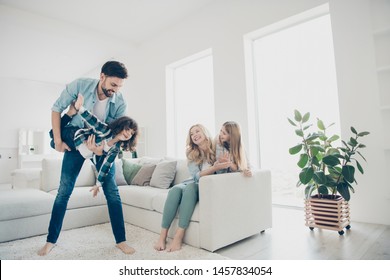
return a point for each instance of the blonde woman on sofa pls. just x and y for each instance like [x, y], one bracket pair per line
[229, 148]
[184, 196]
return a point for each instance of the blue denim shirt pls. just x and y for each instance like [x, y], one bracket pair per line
[116, 105]
[195, 170]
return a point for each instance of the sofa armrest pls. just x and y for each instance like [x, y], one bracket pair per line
[233, 207]
[26, 178]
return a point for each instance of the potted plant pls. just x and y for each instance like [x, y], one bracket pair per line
[327, 172]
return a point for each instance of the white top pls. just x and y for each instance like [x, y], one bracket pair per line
[99, 109]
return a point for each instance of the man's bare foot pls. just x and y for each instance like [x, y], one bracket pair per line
[46, 249]
[125, 248]
[177, 240]
[160, 245]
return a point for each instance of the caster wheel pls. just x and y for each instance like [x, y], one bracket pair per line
[348, 227]
[341, 232]
[311, 228]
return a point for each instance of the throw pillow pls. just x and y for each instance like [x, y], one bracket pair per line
[164, 174]
[143, 176]
[119, 177]
[130, 169]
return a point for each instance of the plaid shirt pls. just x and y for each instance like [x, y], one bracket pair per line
[101, 131]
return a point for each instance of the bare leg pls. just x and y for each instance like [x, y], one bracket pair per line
[46, 249]
[125, 248]
[160, 245]
[177, 240]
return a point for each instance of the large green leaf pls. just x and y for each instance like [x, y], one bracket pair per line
[343, 190]
[364, 133]
[306, 117]
[334, 138]
[297, 116]
[359, 167]
[323, 190]
[299, 132]
[353, 130]
[306, 175]
[303, 159]
[352, 142]
[319, 177]
[296, 149]
[291, 122]
[320, 124]
[348, 172]
[331, 160]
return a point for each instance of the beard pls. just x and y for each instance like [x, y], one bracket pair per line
[107, 93]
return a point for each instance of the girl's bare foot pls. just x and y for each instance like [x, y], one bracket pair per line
[125, 248]
[160, 245]
[46, 249]
[177, 240]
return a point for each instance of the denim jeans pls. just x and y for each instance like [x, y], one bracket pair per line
[182, 197]
[71, 166]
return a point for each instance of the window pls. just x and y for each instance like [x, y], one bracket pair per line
[190, 99]
[292, 66]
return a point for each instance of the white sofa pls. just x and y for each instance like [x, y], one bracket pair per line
[231, 207]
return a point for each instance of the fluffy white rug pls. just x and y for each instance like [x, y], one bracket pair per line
[97, 243]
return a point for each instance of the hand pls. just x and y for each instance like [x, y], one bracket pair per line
[91, 145]
[247, 172]
[221, 165]
[79, 102]
[225, 157]
[94, 190]
[61, 146]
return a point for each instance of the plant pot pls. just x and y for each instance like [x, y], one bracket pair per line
[327, 212]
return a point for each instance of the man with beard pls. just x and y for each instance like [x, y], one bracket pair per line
[101, 97]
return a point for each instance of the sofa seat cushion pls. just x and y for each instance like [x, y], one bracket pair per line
[15, 204]
[159, 202]
[82, 197]
[140, 196]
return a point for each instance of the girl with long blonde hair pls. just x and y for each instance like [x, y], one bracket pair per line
[229, 148]
[184, 196]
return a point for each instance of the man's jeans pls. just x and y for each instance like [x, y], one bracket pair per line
[71, 166]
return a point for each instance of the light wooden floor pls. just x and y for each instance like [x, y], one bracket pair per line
[290, 239]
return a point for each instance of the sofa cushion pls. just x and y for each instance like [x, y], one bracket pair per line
[51, 173]
[130, 169]
[82, 197]
[138, 196]
[164, 174]
[15, 204]
[119, 177]
[182, 172]
[144, 175]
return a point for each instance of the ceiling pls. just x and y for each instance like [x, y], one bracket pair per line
[130, 20]
[56, 41]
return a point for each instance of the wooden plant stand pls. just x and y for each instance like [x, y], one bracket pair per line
[332, 214]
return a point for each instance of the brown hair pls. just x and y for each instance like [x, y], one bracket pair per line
[235, 145]
[118, 125]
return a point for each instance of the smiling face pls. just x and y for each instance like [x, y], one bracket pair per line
[127, 133]
[110, 85]
[197, 135]
[224, 135]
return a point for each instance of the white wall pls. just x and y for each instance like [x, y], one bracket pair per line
[221, 27]
[27, 95]
[359, 104]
